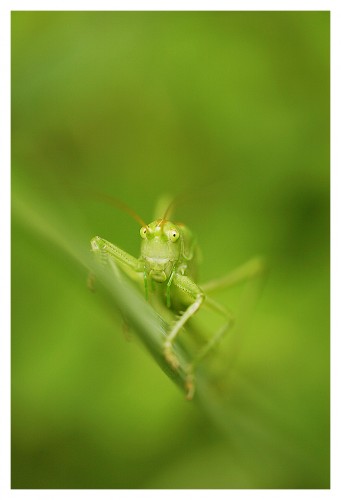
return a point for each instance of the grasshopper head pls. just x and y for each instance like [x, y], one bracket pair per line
[160, 249]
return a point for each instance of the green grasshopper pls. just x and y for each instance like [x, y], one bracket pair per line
[167, 266]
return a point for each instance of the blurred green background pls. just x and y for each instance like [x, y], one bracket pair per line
[231, 109]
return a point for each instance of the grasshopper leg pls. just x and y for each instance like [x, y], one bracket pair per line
[191, 289]
[206, 349]
[195, 293]
[107, 252]
[251, 269]
[198, 296]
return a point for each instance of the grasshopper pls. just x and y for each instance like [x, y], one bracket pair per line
[167, 265]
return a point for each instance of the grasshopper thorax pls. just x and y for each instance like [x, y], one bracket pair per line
[160, 249]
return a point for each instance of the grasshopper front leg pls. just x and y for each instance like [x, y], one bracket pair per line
[190, 288]
[194, 291]
[107, 252]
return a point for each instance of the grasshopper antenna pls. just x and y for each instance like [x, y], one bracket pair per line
[121, 206]
[168, 211]
[110, 200]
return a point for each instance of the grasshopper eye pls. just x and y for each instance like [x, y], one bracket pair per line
[173, 235]
[143, 232]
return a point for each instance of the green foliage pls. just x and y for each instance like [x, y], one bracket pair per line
[230, 109]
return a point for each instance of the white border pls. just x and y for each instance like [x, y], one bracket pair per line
[257, 5]
[335, 250]
[5, 251]
[5, 8]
